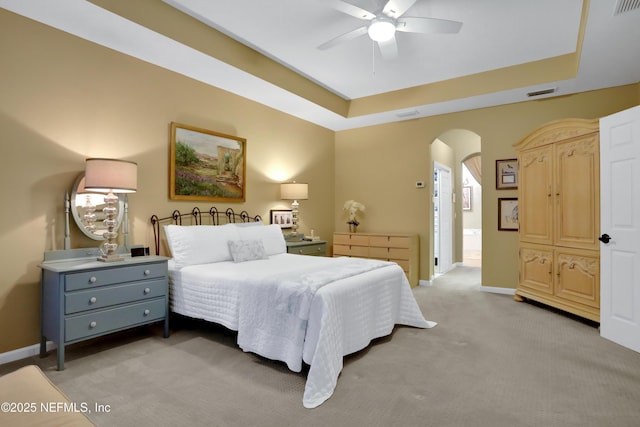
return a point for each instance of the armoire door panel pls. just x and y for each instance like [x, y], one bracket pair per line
[536, 207]
[578, 277]
[577, 193]
[536, 268]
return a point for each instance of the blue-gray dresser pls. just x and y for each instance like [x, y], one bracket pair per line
[83, 298]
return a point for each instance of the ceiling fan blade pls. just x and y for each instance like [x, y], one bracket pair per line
[427, 25]
[395, 8]
[389, 49]
[344, 38]
[349, 9]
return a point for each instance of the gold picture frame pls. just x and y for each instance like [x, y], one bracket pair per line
[507, 174]
[206, 165]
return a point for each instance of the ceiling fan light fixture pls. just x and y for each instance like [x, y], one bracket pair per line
[381, 30]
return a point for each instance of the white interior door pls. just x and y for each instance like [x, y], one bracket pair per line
[445, 217]
[620, 227]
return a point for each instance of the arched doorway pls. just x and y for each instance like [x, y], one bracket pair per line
[450, 149]
[472, 210]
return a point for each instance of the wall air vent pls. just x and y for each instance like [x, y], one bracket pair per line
[542, 92]
[624, 6]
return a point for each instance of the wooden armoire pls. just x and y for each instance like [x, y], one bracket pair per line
[559, 216]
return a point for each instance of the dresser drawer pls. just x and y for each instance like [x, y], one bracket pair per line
[319, 249]
[356, 251]
[390, 241]
[101, 321]
[101, 297]
[110, 276]
[389, 253]
[351, 239]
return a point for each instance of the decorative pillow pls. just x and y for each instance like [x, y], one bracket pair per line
[200, 244]
[270, 235]
[246, 250]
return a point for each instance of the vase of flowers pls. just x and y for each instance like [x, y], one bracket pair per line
[351, 207]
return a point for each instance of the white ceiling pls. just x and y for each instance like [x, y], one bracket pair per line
[495, 34]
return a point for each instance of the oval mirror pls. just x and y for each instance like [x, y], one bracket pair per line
[86, 207]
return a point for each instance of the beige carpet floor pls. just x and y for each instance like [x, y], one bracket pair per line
[490, 362]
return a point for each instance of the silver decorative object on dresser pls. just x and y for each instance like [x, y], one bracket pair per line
[76, 205]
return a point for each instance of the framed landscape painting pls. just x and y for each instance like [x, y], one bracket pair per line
[206, 165]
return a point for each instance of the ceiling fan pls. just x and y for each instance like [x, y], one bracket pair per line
[384, 23]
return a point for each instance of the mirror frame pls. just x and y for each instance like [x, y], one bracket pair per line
[78, 187]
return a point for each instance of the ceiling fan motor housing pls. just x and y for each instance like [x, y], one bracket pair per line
[381, 29]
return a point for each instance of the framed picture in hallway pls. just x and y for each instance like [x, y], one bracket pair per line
[507, 174]
[466, 198]
[508, 214]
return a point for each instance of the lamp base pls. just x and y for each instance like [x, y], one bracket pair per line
[110, 258]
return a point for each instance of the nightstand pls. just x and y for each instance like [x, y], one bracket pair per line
[83, 298]
[307, 247]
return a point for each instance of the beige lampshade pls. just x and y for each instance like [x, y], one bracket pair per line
[294, 191]
[119, 176]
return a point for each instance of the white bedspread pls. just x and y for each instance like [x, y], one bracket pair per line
[339, 311]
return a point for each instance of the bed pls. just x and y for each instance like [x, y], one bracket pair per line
[298, 309]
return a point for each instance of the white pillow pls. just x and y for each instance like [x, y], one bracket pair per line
[199, 244]
[246, 250]
[248, 224]
[271, 236]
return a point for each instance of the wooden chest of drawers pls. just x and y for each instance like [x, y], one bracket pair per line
[400, 248]
[83, 298]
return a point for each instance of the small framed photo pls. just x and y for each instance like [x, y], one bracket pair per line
[466, 198]
[507, 174]
[508, 214]
[282, 217]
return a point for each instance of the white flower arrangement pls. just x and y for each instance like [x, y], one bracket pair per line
[352, 207]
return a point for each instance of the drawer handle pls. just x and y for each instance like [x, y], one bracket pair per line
[147, 290]
[147, 312]
[300, 251]
[147, 272]
[93, 300]
[93, 324]
[93, 279]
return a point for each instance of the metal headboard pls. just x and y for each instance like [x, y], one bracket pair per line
[214, 217]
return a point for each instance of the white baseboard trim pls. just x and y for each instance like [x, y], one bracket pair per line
[497, 290]
[24, 352]
[425, 282]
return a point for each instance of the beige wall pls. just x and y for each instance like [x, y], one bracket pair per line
[379, 165]
[64, 99]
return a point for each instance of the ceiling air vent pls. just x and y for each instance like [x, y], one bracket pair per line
[542, 92]
[406, 114]
[624, 6]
